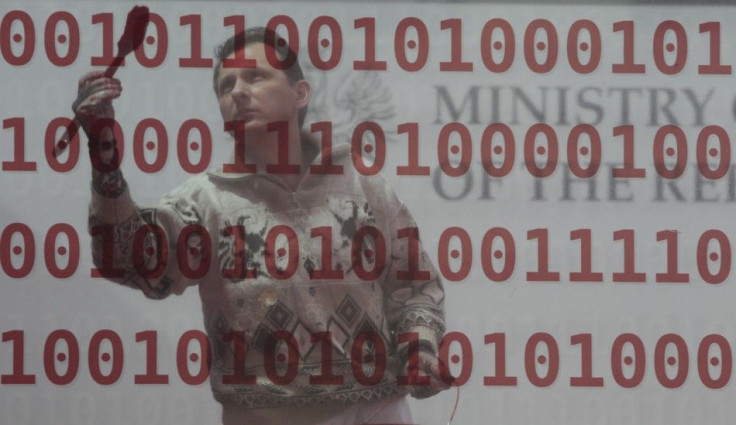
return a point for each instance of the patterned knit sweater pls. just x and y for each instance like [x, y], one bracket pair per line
[304, 293]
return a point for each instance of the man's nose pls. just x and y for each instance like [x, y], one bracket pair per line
[241, 89]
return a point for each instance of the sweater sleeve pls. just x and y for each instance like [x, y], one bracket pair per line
[414, 293]
[158, 250]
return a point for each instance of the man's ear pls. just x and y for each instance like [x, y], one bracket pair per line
[303, 93]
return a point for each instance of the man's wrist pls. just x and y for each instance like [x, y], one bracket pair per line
[407, 350]
[104, 155]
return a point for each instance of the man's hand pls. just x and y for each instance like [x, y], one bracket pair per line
[427, 368]
[94, 101]
[93, 109]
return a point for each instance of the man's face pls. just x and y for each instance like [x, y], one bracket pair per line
[257, 96]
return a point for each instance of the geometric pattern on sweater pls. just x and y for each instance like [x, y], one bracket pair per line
[348, 310]
[260, 303]
[253, 400]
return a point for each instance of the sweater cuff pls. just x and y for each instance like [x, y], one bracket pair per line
[113, 210]
[428, 335]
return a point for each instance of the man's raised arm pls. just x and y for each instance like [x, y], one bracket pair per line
[114, 219]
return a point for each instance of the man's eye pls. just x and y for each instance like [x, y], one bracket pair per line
[225, 88]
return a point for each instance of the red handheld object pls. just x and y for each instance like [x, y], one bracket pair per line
[133, 35]
[132, 38]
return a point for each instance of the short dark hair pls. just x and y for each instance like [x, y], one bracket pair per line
[289, 66]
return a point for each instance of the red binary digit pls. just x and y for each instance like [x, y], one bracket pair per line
[723, 152]
[237, 130]
[334, 42]
[548, 150]
[108, 270]
[71, 359]
[184, 145]
[714, 65]
[592, 154]
[27, 37]
[238, 377]
[628, 170]
[586, 362]
[71, 251]
[680, 48]
[292, 35]
[679, 152]
[19, 162]
[142, 254]
[358, 147]
[203, 358]
[464, 149]
[291, 361]
[637, 362]
[195, 59]
[194, 242]
[141, 143]
[413, 378]
[488, 254]
[326, 377]
[50, 145]
[531, 359]
[369, 63]
[724, 362]
[629, 274]
[488, 152]
[72, 40]
[672, 275]
[499, 378]
[94, 357]
[283, 164]
[465, 254]
[549, 46]
[237, 270]
[18, 377]
[465, 358]
[456, 62]
[586, 273]
[150, 338]
[421, 44]
[411, 234]
[681, 362]
[107, 39]
[27, 250]
[542, 274]
[723, 256]
[594, 47]
[377, 358]
[239, 60]
[412, 168]
[326, 270]
[359, 248]
[487, 45]
[325, 166]
[275, 258]
[628, 66]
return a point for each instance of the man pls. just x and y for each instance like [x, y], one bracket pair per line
[321, 307]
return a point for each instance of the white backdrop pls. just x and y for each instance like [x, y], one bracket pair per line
[657, 313]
